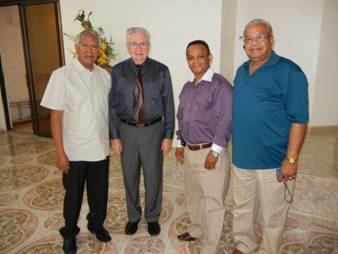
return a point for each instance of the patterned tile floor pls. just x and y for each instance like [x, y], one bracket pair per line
[31, 198]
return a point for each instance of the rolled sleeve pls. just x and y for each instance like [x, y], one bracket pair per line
[54, 96]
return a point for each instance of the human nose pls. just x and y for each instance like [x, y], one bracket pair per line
[255, 40]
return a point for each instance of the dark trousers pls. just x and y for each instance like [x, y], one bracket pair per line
[95, 174]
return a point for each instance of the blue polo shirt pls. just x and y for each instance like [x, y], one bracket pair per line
[265, 104]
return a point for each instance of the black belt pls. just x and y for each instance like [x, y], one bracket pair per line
[143, 124]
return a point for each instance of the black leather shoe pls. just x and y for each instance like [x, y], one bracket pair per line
[69, 245]
[154, 228]
[186, 237]
[101, 235]
[131, 227]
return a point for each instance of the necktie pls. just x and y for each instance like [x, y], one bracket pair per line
[140, 94]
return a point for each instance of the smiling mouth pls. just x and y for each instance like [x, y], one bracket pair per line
[255, 50]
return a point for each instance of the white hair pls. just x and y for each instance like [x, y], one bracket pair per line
[260, 21]
[85, 33]
[136, 29]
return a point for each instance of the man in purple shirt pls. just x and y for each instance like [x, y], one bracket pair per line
[204, 125]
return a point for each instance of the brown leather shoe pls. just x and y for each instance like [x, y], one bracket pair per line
[186, 237]
[237, 252]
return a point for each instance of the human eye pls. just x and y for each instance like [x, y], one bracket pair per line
[144, 44]
[260, 37]
[201, 56]
[190, 58]
[248, 39]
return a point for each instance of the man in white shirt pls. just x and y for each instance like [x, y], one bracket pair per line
[77, 95]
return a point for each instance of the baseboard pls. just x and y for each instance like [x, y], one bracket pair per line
[328, 129]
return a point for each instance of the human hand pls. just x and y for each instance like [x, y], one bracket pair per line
[166, 146]
[210, 161]
[116, 146]
[179, 154]
[288, 171]
[62, 162]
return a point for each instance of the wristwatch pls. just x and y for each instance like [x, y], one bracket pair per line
[213, 153]
[291, 160]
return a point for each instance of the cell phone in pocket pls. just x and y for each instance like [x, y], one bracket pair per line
[278, 172]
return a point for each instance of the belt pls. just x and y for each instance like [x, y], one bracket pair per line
[199, 147]
[143, 124]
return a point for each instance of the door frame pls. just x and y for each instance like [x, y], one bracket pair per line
[27, 57]
[4, 97]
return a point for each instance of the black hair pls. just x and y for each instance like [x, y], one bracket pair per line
[199, 42]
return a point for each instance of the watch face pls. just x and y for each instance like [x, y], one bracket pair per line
[291, 160]
[214, 153]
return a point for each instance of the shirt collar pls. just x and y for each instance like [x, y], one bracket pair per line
[271, 61]
[206, 77]
[134, 65]
[79, 67]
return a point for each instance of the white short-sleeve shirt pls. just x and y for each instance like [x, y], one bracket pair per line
[82, 95]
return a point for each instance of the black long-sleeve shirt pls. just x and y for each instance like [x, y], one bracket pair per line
[158, 95]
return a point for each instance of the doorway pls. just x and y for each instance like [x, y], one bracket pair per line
[30, 51]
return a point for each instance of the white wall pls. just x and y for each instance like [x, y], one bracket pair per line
[297, 30]
[11, 49]
[12, 59]
[172, 25]
[325, 103]
[229, 38]
[305, 31]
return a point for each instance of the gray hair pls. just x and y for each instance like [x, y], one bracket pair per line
[86, 33]
[260, 21]
[136, 29]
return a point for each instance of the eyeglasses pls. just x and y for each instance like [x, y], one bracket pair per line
[250, 40]
[135, 44]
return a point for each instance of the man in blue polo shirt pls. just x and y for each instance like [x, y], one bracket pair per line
[270, 115]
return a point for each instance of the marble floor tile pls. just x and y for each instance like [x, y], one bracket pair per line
[31, 199]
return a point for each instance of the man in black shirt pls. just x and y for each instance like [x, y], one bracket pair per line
[141, 126]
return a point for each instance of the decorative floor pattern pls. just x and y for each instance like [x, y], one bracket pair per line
[31, 199]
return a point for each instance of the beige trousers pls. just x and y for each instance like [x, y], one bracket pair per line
[205, 192]
[259, 190]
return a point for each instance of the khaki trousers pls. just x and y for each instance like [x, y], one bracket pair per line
[205, 192]
[255, 190]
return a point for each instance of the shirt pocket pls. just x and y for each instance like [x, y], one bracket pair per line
[153, 99]
[80, 114]
[77, 99]
[101, 93]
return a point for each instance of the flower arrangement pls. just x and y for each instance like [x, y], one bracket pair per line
[106, 51]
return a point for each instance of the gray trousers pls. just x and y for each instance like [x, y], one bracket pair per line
[141, 147]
